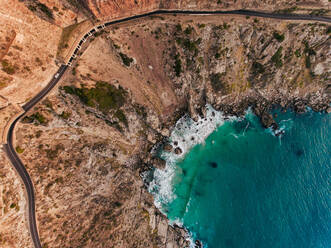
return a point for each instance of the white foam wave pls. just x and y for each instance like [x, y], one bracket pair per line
[186, 134]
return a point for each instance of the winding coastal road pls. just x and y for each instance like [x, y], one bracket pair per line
[8, 147]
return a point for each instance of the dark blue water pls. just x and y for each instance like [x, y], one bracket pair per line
[247, 188]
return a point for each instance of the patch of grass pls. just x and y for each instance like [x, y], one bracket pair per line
[277, 58]
[126, 60]
[121, 117]
[202, 25]
[297, 53]
[38, 117]
[19, 149]
[7, 67]
[178, 65]
[65, 36]
[104, 96]
[279, 37]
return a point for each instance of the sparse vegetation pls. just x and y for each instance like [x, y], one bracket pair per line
[178, 65]
[37, 117]
[277, 58]
[45, 9]
[19, 149]
[297, 53]
[279, 37]
[7, 67]
[37, 6]
[121, 117]
[104, 96]
[65, 115]
[286, 11]
[65, 36]
[257, 68]
[188, 30]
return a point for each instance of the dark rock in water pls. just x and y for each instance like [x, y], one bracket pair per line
[213, 113]
[197, 244]
[184, 172]
[274, 126]
[299, 152]
[192, 138]
[167, 147]
[158, 163]
[175, 143]
[279, 133]
[178, 150]
[213, 164]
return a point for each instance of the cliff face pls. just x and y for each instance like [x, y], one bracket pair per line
[115, 8]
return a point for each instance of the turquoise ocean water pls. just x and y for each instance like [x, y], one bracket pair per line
[244, 187]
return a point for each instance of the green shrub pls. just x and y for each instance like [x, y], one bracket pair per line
[328, 30]
[19, 149]
[178, 65]
[178, 28]
[277, 58]
[7, 67]
[126, 60]
[257, 68]
[279, 37]
[121, 117]
[39, 117]
[65, 115]
[297, 53]
[188, 30]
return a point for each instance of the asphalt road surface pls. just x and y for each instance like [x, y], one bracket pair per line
[9, 149]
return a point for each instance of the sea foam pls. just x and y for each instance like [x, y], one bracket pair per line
[186, 134]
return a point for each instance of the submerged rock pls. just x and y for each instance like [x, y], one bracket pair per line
[167, 147]
[158, 163]
[198, 244]
[213, 164]
[178, 150]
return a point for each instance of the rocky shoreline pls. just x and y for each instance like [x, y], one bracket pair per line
[260, 107]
